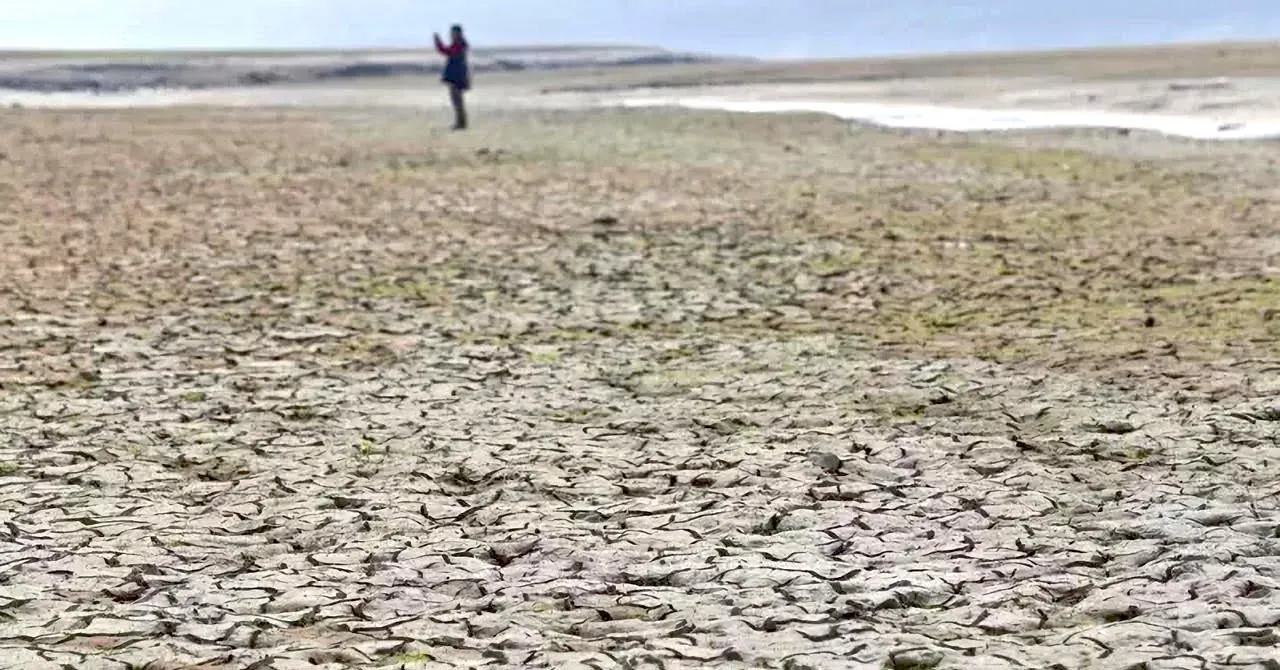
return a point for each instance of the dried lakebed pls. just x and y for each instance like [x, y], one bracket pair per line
[288, 390]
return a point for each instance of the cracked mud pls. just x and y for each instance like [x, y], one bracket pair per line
[631, 390]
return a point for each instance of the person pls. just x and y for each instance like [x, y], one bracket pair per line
[456, 75]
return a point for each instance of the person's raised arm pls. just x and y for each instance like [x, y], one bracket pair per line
[447, 49]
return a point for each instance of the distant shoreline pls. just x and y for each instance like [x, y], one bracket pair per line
[1233, 89]
[613, 68]
[122, 72]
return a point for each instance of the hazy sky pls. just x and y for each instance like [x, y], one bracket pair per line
[748, 27]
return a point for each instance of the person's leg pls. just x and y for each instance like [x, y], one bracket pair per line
[459, 107]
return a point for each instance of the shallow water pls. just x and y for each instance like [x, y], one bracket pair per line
[965, 119]
[884, 114]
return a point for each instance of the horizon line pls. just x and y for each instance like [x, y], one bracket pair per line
[9, 52]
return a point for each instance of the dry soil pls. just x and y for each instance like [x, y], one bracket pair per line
[631, 389]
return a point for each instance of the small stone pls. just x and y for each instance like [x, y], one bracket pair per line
[1111, 427]
[1269, 414]
[826, 461]
[915, 659]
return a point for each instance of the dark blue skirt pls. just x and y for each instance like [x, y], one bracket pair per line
[456, 73]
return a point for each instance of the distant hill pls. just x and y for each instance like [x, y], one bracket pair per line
[123, 71]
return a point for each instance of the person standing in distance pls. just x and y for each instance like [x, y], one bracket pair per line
[457, 74]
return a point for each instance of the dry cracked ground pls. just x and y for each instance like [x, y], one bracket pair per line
[632, 390]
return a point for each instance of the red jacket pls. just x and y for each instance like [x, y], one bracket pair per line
[450, 49]
[456, 72]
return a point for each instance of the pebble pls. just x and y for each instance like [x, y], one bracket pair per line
[826, 461]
